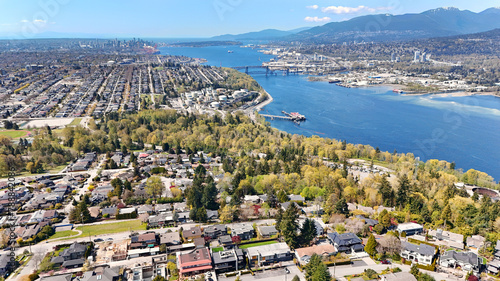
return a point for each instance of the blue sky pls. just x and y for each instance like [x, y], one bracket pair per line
[196, 18]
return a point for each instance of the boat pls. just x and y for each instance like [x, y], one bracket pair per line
[398, 91]
[334, 81]
[229, 51]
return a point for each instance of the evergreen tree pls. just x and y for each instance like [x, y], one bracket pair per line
[289, 225]
[371, 246]
[402, 194]
[341, 207]
[307, 232]
[321, 273]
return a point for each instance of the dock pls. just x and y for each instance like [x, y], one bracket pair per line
[293, 116]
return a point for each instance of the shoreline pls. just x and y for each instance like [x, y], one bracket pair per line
[453, 93]
[261, 105]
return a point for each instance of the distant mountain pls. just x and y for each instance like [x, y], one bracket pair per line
[385, 27]
[260, 35]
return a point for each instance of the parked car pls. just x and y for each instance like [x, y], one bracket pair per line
[385, 262]
[98, 240]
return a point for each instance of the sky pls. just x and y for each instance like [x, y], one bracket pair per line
[196, 18]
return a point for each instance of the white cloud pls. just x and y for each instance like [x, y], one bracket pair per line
[352, 10]
[39, 21]
[317, 19]
[24, 21]
[313, 7]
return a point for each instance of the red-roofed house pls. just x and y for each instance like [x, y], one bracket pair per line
[195, 262]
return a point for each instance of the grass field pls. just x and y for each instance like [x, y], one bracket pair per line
[257, 244]
[76, 121]
[14, 133]
[218, 249]
[62, 234]
[110, 228]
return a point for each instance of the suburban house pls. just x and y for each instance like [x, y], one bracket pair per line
[324, 250]
[170, 238]
[410, 228]
[195, 262]
[493, 267]
[226, 241]
[110, 211]
[267, 254]
[145, 209]
[230, 260]
[215, 231]
[71, 257]
[160, 220]
[102, 273]
[346, 242]
[266, 231]
[466, 260]
[192, 233]
[145, 240]
[421, 254]
[475, 242]
[244, 230]
[454, 240]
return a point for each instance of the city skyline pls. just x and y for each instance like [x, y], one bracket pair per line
[177, 19]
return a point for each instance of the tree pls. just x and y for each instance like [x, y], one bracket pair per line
[289, 225]
[402, 194]
[159, 278]
[341, 207]
[295, 278]
[371, 246]
[385, 219]
[154, 186]
[307, 232]
[316, 270]
[227, 214]
[321, 273]
[414, 270]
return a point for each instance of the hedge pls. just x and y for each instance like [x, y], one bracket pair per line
[126, 216]
[331, 263]
[431, 267]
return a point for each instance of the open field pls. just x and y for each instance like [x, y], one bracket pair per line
[14, 133]
[110, 228]
[62, 234]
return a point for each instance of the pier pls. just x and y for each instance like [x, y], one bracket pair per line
[293, 116]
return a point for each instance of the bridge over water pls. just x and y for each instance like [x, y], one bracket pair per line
[260, 69]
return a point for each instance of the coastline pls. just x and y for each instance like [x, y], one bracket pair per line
[269, 100]
[458, 93]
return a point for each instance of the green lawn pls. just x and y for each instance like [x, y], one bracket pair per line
[257, 244]
[218, 249]
[62, 234]
[14, 133]
[76, 121]
[110, 228]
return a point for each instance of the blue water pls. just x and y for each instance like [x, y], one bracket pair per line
[465, 130]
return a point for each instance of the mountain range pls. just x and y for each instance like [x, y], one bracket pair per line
[386, 27]
[260, 35]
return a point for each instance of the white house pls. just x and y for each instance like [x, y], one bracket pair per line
[421, 254]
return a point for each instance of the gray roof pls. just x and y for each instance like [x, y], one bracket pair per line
[227, 256]
[170, 237]
[73, 262]
[267, 230]
[422, 249]
[465, 257]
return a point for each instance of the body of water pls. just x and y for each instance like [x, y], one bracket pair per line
[465, 130]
